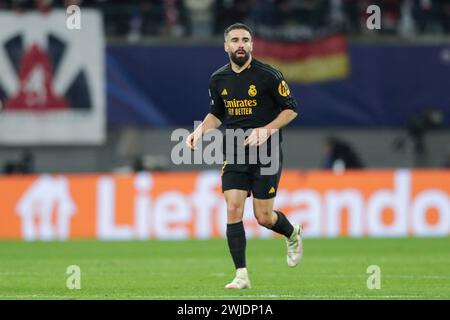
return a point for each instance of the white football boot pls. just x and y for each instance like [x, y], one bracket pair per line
[295, 246]
[241, 280]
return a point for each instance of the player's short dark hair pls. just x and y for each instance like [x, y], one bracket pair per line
[235, 26]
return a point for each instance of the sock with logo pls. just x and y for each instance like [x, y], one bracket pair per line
[237, 243]
[282, 226]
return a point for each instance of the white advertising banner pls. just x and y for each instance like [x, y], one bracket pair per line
[52, 79]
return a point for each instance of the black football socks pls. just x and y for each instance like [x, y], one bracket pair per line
[282, 226]
[237, 243]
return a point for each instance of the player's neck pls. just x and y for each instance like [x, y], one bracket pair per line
[238, 69]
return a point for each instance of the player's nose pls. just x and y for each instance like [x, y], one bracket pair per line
[240, 44]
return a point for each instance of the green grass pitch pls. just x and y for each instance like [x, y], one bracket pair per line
[411, 268]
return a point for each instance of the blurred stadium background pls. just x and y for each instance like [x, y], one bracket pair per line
[86, 117]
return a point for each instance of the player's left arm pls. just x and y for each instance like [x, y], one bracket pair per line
[282, 120]
[282, 96]
[260, 135]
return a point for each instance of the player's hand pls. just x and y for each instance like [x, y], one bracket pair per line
[191, 141]
[258, 136]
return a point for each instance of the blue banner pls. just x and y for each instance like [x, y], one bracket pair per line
[167, 85]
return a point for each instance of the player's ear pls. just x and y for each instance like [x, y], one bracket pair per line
[225, 46]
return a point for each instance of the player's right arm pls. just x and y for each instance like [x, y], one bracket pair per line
[213, 119]
[210, 122]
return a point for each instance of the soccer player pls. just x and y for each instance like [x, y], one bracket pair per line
[248, 94]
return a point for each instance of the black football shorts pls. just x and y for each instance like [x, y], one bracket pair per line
[252, 178]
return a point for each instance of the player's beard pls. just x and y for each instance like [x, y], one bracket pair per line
[241, 60]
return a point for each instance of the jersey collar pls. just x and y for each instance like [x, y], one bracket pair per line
[244, 70]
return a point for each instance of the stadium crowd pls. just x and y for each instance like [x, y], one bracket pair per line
[206, 18]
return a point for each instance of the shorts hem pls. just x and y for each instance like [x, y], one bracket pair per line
[267, 197]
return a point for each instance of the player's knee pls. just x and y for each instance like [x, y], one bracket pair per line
[234, 209]
[264, 220]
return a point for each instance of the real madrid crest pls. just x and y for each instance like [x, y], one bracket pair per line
[283, 89]
[252, 91]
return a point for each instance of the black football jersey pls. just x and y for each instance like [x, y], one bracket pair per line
[249, 99]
